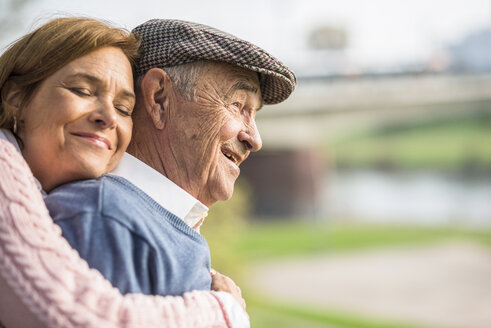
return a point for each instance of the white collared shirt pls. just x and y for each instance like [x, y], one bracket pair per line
[165, 192]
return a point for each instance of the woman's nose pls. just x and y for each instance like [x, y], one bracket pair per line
[105, 115]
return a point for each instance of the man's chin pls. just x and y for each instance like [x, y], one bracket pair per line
[220, 195]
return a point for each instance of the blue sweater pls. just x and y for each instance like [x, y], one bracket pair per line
[138, 245]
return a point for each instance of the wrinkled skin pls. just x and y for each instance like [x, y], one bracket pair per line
[77, 125]
[200, 144]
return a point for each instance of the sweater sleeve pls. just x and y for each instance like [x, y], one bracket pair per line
[43, 280]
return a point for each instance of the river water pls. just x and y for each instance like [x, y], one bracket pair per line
[427, 198]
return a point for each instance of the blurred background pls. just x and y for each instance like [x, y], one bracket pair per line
[370, 203]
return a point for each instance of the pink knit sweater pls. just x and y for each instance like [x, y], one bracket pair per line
[44, 282]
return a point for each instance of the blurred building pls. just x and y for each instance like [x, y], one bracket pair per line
[284, 182]
[473, 53]
[325, 52]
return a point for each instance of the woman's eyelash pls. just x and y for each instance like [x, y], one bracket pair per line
[123, 111]
[81, 91]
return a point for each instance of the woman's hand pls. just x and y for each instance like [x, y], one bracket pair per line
[222, 283]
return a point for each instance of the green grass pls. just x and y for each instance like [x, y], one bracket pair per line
[266, 313]
[446, 145]
[282, 239]
[235, 244]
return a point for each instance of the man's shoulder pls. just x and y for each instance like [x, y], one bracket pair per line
[107, 194]
[108, 198]
[90, 191]
[79, 194]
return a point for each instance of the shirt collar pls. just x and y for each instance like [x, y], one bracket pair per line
[165, 192]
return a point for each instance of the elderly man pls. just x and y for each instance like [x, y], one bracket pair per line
[198, 90]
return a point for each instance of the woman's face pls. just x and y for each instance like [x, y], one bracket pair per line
[78, 123]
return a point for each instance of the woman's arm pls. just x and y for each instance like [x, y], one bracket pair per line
[42, 279]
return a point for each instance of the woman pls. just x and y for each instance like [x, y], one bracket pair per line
[67, 94]
[66, 100]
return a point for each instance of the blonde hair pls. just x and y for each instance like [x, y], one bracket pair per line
[39, 54]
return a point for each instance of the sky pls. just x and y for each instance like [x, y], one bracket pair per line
[380, 32]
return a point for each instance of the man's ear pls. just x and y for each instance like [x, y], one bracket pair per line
[155, 88]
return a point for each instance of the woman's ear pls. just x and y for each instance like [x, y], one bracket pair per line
[155, 92]
[11, 95]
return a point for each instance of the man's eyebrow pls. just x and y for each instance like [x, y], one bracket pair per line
[242, 85]
[126, 93]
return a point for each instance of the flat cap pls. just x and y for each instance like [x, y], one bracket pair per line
[168, 42]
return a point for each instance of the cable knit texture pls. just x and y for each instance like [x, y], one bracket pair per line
[57, 286]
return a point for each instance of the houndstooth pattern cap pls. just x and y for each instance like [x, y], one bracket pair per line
[168, 42]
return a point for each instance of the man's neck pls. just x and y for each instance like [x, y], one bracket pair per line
[148, 154]
[154, 154]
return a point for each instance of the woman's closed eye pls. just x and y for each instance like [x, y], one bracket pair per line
[123, 110]
[81, 91]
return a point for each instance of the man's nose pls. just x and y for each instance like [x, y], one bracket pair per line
[105, 115]
[250, 136]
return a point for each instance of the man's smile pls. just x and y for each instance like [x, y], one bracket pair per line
[232, 155]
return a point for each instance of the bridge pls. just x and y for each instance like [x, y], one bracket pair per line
[329, 107]
[285, 176]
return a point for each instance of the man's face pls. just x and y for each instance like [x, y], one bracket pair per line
[210, 137]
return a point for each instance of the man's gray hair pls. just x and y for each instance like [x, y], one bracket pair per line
[184, 77]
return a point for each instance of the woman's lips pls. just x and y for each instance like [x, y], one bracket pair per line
[99, 141]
